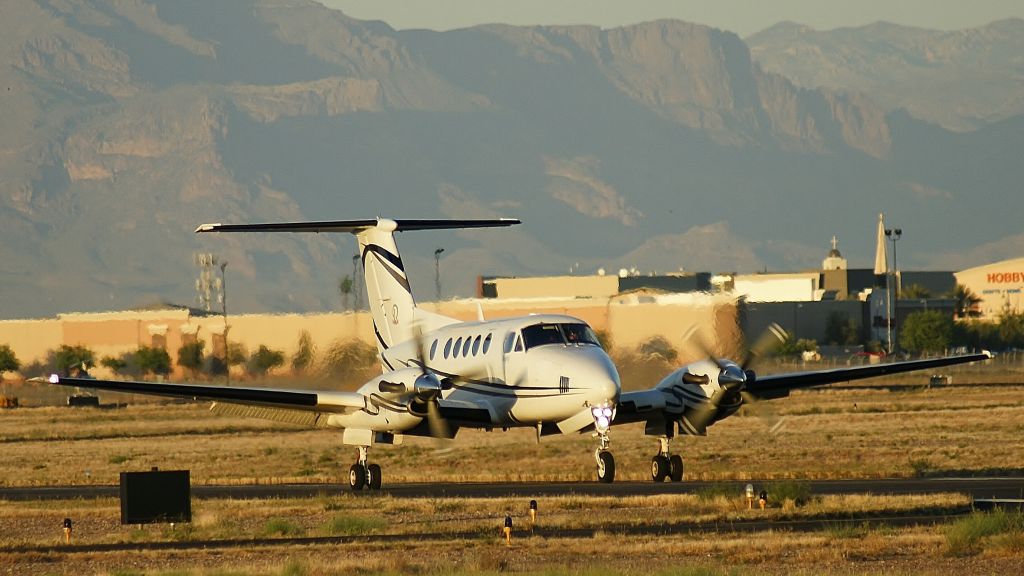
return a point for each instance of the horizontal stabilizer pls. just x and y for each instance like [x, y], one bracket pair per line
[355, 226]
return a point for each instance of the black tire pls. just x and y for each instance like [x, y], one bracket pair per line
[606, 469]
[675, 468]
[659, 468]
[373, 476]
[357, 476]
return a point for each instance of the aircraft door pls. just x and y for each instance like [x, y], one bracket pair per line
[515, 360]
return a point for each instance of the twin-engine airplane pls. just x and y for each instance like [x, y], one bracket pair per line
[547, 372]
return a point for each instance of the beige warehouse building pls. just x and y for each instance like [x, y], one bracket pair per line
[629, 319]
[1000, 286]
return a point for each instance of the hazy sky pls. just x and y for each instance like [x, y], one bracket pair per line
[741, 16]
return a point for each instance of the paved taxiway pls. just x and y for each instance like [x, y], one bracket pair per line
[975, 487]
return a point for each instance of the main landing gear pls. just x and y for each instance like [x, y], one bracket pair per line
[666, 465]
[362, 475]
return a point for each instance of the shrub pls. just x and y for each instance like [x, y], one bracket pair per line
[153, 360]
[264, 360]
[190, 356]
[798, 492]
[282, 527]
[658, 348]
[66, 358]
[8, 360]
[964, 537]
[353, 525]
[305, 354]
[346, 357]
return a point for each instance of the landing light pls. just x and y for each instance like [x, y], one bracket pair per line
[54, 379]
[602, 417]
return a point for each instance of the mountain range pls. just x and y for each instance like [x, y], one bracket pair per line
[661, 146]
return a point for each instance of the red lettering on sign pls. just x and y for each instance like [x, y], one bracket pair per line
[1005, 278]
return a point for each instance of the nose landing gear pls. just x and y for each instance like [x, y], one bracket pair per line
[603, 416]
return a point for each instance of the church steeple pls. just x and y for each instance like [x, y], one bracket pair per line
[834, 260]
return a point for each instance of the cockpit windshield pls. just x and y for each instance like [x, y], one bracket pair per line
[543, 334]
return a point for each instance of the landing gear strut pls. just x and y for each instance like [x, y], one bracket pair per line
[362, 475]
[666, 465]
[605, 461]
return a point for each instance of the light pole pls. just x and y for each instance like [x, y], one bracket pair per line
[437, 271]
[893, 234]
[355, 280]
[224, 309]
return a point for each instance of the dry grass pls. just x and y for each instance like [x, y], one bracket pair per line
[831, 433]
[863, 431]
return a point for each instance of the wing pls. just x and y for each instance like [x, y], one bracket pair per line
[779, 385]
[660, 406]
[303, 400]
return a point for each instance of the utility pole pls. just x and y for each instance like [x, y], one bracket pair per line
[224, 309]
[355, 281]
[893, 234]
[437, 271]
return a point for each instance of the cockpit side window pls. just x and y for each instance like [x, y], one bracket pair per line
[510, 340]
[580, 334]
[519, 343]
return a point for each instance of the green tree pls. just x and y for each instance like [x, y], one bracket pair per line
[305, 354]
[926, 331]
[190, 356]
[966, 305]
[347, 357]
[659, 348]
[115, 365]
[264, 360]
[345, 289]
[915, 292]
[8, 360]
[841, 329]
[153, 360]
[792, 347]
[68, 358]
[1011, 329]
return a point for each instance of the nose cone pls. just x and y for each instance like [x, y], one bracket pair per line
[588, 370]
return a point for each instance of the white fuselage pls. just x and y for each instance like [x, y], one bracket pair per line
[522, 379]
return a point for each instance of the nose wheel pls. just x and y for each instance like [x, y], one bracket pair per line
[605, 466]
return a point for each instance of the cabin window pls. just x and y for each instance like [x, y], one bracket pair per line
[465, 347]
[433, 349]
[455, 349]
[447, 348]
[487, 343]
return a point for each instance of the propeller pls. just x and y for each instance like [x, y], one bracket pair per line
[427, 390]
[732, 378]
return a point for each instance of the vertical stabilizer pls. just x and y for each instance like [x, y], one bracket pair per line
[391, 303]
[387, 285]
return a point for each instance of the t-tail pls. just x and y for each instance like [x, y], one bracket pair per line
[392, 306]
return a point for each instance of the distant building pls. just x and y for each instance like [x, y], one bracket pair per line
[590, 286]
[1000, 286]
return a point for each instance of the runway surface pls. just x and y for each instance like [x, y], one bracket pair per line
[975, 487]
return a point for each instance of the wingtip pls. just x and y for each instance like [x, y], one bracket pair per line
[988, 354]
[207, 227]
